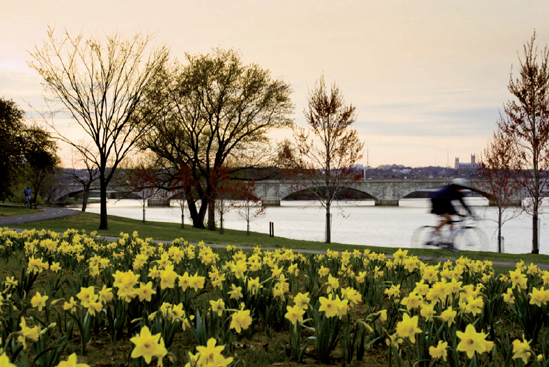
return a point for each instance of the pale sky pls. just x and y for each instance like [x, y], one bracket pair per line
[428, 78]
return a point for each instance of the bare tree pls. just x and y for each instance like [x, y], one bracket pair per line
[499, 179]
[329, 148]
[180, 186]
[248, 206]
[224, 191]
[91, 171]
[105, 87]
[525, 121]
[143, 182]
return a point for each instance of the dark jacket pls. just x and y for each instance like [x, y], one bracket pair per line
[442, 200]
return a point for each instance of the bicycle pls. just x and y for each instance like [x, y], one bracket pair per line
[463, 235]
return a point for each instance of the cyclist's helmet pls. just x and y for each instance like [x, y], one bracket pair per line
[461, 182]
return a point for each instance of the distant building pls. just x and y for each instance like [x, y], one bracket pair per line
[465, 165]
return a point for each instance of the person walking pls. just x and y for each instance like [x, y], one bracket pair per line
[28, 193]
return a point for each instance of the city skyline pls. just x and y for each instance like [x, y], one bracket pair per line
[428, 78]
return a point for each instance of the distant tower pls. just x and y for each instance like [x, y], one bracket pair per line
[456, 166]
[472, 159]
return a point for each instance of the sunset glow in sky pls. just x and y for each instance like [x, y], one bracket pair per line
[428, 78]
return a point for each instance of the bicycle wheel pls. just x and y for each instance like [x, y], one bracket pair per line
[470, 238]
[421, 236]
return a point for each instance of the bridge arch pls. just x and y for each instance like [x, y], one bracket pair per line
[425, 193]
[347, 194]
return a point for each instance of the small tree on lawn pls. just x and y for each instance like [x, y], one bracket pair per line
[143, 182]
[91, 172]
[525, 120]
[327, 157]
[248, 206]
[181, 187]
[223, 190]
[499, 179]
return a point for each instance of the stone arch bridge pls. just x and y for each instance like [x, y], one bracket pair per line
[384, 192]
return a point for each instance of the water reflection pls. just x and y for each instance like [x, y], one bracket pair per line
[359, 223]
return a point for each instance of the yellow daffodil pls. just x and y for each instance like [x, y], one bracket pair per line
[5, 361]
[518, 279]
[448, 315]
[218, 306]
[39, 301]
[294, 314]
[538, 297]
[472, 342]
[474, 305]
[208, 353]
[27, 333]
[413, 301]
[147, 345]
[302, 300]
[521, 349]
[145, 291]
[236, 292]
[71, 362]
[407, 328]
[439, 350]
[394, 291]
[329, 306]
[241, 320]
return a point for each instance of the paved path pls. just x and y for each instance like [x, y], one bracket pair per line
[52, 213]
[35, 216]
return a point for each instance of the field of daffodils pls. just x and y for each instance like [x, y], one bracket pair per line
[73, 299]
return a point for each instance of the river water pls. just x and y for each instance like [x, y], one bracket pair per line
[359, 223]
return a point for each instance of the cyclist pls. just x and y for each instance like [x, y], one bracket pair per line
[441, 201]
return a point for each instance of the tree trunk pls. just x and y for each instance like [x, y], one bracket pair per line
[144, 204]
[535, 223]
[196, 216]
[211, 214]
[221, 222]
[85, 197]
[183, 214]
[328, 225]
[499, 230]
[247, 228]
[103, 221]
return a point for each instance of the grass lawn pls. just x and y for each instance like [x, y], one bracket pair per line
[8, 211]
[170, 231]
